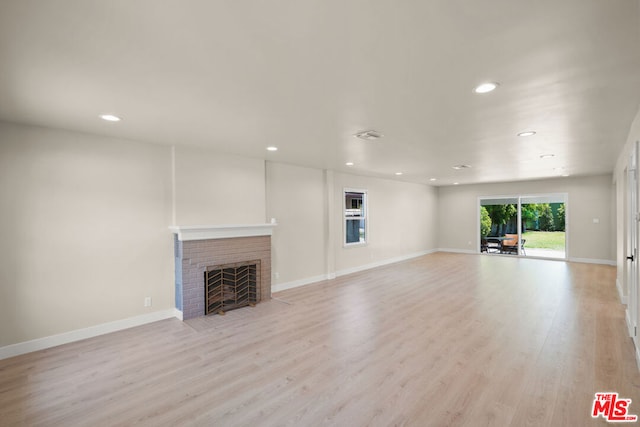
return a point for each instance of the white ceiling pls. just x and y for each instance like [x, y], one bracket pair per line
[240, 75]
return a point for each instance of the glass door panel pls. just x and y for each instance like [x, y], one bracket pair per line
[544, 226]
[499, 225]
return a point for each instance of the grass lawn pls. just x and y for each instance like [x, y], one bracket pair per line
[544, 240]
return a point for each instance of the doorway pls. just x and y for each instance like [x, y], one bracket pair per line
[524, 225]
[631, 247]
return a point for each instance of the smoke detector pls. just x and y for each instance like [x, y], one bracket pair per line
[369, 135]
[458, 167]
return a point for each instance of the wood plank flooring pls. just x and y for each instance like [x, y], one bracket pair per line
[442, 340]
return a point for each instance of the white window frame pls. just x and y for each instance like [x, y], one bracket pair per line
[345, 217]
[563, 196]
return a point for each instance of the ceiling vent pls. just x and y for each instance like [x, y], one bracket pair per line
[369, 135]
[458, 167]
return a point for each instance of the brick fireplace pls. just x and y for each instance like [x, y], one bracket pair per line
[198, 247]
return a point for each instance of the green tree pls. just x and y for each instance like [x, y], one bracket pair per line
[501, 214]
[529, 215]
[485, 222]
[561, 218]
[546, 217]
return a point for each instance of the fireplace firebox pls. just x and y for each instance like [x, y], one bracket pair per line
[231, 286]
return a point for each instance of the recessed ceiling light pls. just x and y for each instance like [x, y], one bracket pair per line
[272, 148]
[349, 164]
[527, 133]
[432, 179]
[458, 167]
[547, 156]
[398, 173]
[110, 117]
[369, 135]
[456, 183]
[565, 175]
[486, 87]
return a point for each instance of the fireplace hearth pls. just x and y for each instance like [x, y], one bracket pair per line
[199, 251]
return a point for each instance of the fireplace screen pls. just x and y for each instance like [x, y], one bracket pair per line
[231, 286]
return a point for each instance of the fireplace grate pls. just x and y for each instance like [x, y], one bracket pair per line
[231, 286]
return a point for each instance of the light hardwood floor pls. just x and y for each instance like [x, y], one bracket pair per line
[444, 339]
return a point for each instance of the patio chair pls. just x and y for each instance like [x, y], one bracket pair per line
[510, 244]
[493, 244]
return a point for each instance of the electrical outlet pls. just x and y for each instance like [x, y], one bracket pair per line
[147, 301]
[276, 275]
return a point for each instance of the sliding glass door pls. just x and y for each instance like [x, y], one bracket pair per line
[544, 226]
[523, 225]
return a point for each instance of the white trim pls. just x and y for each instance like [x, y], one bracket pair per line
[627, 320]
[174, 196]
[365, 217]
[330, 276]
[178, 314]
[478, 230]
[458, 251]
[393, 260]
[634, 340]
[81, 334]
[623, 298]
[519, 197]
[581, 260]
[202, 232]
[330, 223]
[297, 283]
[593, 261]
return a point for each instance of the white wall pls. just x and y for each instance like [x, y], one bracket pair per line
[403, 220]
[588, 198]
[308, 241]
[215, 189]
[296, 199]
[84, 235]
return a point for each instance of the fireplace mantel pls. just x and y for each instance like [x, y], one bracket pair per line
[203, 232]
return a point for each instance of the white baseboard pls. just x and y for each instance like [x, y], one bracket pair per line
[297, 283]
[623, 298]
[593, 261]
[384, 262]
[628, 321]
[637, 356]
[81, 334]
[457, 251]
[330, 276]
[581, 260]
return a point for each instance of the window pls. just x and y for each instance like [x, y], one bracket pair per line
[355, 217]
